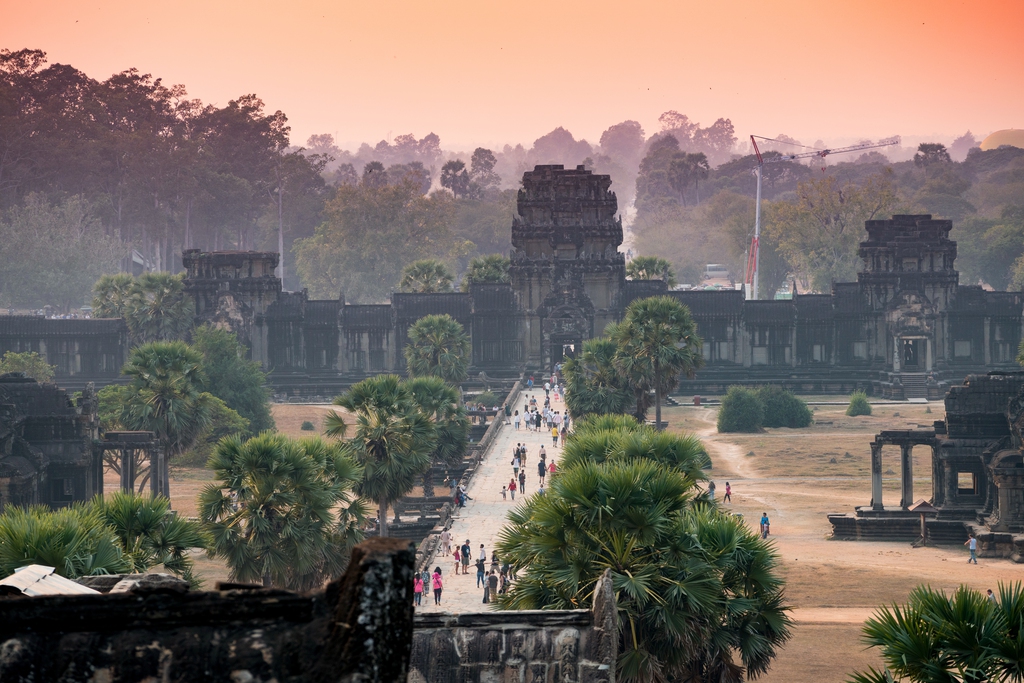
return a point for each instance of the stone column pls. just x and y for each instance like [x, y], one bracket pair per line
[928, 355]
[906, 475]
[876, 477]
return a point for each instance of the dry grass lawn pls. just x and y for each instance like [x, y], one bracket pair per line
[832, 585]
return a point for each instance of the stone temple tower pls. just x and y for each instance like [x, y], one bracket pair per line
[566, 271]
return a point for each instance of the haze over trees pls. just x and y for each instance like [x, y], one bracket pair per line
[98, 176]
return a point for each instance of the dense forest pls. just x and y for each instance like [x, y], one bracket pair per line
[123, 174]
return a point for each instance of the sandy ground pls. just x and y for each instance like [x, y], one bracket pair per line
[798, 477]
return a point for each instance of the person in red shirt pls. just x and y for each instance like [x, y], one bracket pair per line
[512, 487]
[551, 467]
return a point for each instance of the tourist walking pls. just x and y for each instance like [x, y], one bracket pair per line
[446, 543]
[515, 462]
[516, 419]
[542, 471]
[990, 595]
[480, 573]
[972, 545]
[554, 437]
[492, 586]
[766, 526]
[711, 490]
[417, 590]
[438, 585]
[522, 483]
[467, 552]
[504, 493]
[456, 559]
[551, 468]
[512, 488]
[728, 493]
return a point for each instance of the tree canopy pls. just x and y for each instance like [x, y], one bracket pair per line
[438, 347]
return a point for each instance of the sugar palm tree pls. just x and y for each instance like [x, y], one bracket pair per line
[111, 295]
[492, 268]
[439, 401]
[683, 453]
[283, 512]
[438, 347]
[651, 268]
[656, 342]
[393, 439]
[149, 534]
[593, 384]
[688, 601]
[159, 309]
[427, 276]
[166, 397]
[962, 637]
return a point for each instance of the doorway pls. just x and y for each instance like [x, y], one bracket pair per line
[911, 354]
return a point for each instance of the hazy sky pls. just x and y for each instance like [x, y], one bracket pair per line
[495, 71]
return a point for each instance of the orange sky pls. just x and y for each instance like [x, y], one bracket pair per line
[490, 72]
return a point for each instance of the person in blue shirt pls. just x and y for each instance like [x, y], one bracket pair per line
[765, 525]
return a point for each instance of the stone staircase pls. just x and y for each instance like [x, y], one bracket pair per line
[914, 384]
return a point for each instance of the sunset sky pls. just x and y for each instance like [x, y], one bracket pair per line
[491, 72]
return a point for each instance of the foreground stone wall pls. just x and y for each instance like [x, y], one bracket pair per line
[359, 629]
[572, 646]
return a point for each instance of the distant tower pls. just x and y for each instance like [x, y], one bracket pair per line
[566, 271]
[232, 290]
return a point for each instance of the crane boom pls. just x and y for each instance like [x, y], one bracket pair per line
[754, 255]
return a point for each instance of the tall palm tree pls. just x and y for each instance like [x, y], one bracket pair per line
[683, 453]
[438, 347]
[593, 385]
[166, 397]
[283, 512]
[651, 268]
[688, 600]
[427, 276]
[111, 295]
[656, 342]
[962, 637]
[393, 439]
[159, 309]
[439, 401]
[492, 268]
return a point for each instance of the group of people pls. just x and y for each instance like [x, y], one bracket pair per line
[518, 480]
[494, 580]
[458, 492]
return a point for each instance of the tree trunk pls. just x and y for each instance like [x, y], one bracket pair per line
[382, 518]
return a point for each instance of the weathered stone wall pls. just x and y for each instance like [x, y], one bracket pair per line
[359, 629]
[577, 646]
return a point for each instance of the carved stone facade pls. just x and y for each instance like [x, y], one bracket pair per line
[905, 329]
[46, 444]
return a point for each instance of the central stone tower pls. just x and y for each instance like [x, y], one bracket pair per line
[566, 271]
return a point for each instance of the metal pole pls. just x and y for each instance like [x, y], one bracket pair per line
[757, 231]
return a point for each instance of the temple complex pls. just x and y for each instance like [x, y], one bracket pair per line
[905, 329]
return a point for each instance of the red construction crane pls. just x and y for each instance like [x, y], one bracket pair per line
[754, 257]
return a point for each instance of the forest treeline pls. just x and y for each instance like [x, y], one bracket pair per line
[125, 173]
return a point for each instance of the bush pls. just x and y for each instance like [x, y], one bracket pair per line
[487, 398]
[741, 411]
[782, 408]
[858, 404]
[307, 426]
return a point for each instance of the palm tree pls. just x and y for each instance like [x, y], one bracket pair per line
[683, 453]
[149, 534]
[651, 268]
[282, 512]
[159, 309]
[492, 268]
[74, 541]
[593, 386]
[166, 397]
[963, 637]
[694, 587]
[427, 276]
[439, 401]
[656, 342]
[393, 439]
[438, 347]
[111, 295]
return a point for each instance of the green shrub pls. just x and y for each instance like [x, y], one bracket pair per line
[307, 426]
[741, 411]
[858, 404]
[782, 408]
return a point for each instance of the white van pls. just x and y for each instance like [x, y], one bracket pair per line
[716, 271]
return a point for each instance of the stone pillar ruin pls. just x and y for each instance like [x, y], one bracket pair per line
[906, 475]
[876, 477]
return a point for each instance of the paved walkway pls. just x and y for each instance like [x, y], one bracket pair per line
[484, 515]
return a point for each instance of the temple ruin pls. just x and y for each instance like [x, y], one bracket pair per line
[906, 328]
[977, 473]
